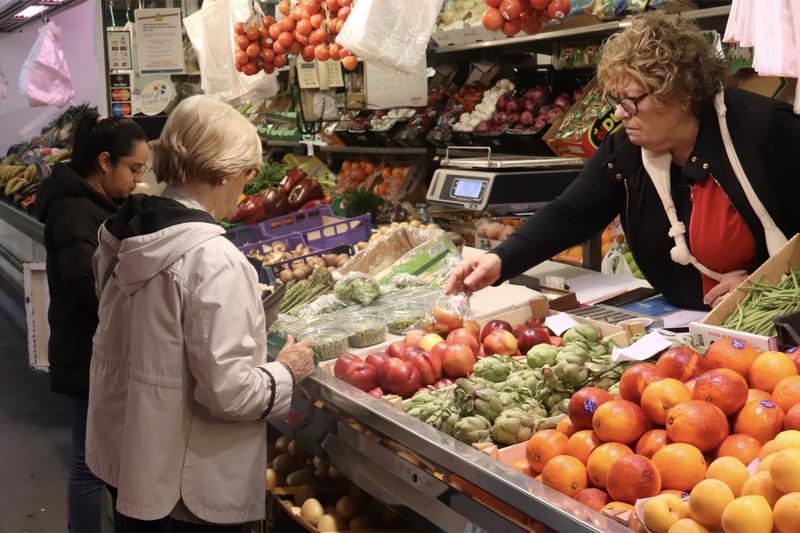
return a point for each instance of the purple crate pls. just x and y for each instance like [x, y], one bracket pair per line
[291, 240]
[296, 222]
[346, 231]
[245, 235]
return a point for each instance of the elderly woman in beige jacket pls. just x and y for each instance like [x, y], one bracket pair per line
[180, 385]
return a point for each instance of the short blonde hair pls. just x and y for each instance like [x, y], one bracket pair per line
[205, 140]
[669, 56]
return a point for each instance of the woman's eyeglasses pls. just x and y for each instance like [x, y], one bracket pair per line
[141, 171]
[630, 105]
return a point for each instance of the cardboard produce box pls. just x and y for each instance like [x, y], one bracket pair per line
[710, 328]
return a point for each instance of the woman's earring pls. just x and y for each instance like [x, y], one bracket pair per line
[224, 182]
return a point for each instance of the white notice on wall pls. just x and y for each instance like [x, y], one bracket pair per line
[159, 43]
[119, 50]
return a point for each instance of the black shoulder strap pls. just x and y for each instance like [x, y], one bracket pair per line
[109, 273]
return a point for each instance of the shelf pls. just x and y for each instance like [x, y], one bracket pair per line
[570, 33]
[23, 222]
[377, 150]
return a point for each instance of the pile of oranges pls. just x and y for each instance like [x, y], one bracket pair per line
[688, 424]
[354, 174]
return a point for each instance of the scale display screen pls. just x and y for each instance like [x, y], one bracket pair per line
[468, 188]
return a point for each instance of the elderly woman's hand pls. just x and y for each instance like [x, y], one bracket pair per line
[299, 357]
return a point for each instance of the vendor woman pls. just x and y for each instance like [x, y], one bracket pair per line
[705, 180]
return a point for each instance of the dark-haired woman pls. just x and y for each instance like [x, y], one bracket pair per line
[108, 159]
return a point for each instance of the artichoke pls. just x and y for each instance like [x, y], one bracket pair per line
[420, 398]
[493, 368]
[473, 429]
[582, 332]
[444, 420]
[561, 408]
[541, 355]
[425, 410]
[613, 390]
[574, 350]
[514, 425]
[525, 381]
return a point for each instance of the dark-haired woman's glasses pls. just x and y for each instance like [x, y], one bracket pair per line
[630, 105]
[141, 171]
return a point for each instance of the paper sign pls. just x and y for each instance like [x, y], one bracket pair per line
[644, 348]
[560, 323]
[159, 41]
[155, 97]
[119, 50]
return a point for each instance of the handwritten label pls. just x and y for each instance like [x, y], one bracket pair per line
[560, 323]
[644, 348]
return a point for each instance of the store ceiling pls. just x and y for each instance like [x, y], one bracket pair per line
[16, 13]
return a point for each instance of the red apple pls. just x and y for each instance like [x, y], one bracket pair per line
[535, 322]
[429, 366]
[343, 364]
[500, 342]
[362, 376]
[493, 325]
[474, 328]
[397, 349]
[530, 337]
[442, 383]
[402, 379]
[376, 359]
[410, 352]
[377, 392]
[385, 367]
[458, 360]
[439, 349]
[463, 336]
[413, 337]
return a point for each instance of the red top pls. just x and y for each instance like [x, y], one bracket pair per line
[718, 235]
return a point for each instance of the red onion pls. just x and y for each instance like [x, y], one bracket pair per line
[526, 118]
[502, 102]
[513, 106]
[501, 117]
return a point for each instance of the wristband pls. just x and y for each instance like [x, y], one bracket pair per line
[288, 369]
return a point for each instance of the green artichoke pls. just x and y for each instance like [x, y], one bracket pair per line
[582, 332]
[524, 381]
[561, 408]
[613, 390]
[420, 398]
[444, 420]
[541, 355]
[473, 429]
[425, 410]
[493, 368]
[513, 426]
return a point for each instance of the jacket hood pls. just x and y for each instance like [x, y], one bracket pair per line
[147, 235]
[62, 183]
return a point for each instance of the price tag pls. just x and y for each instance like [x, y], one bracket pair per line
[560, 323]
[644, 348]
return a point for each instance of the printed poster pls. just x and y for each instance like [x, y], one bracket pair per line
[159, 41]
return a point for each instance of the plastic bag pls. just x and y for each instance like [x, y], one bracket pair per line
[449, 313]
[357, 287]
[211, 31]
[392, 34]
[45, 77]
[3, 85]
[615, 263]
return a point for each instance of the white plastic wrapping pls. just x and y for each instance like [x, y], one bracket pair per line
[45, 77]
[390, 33]
[3, 85]
[211, 31]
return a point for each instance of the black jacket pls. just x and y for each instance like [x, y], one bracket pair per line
[766, 135]
[72, 213]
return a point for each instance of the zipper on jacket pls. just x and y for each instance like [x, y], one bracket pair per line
[628, 217]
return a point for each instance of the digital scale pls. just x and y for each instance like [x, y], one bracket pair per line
[500, 184]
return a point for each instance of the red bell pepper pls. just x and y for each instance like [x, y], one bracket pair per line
[311, 204]
[291, 179]
[275, 203]
[328, 200]
[306, 190]
[250, 211]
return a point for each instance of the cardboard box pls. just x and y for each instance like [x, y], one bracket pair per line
[710, 328]
[587, 143]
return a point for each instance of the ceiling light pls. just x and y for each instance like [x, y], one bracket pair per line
[30, 11]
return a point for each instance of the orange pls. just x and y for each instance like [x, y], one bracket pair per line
[785, 470]
[698, 423]
[594, 498]
[682, 466]
[681, 363]
[679, 493]
[768, 449]
[566, 427]
[619, 421]
[732, 353]
[761, 485]
[747, 514]
[565, 474]
[522, 466]
[687, 525]
[543, 446]
[636, 378]
[786, 512]
[691, 384]
[766, 462]
[581, 444]
[786, 393]
[602, 459]
[651, 442]
[730, 471]
[762, 420]
[755, 395]
[743, 447]
[792, 419]
[769, 369]
[633, 477]
[722, 387]
[788, 439]
[661, 396]
[708, 501]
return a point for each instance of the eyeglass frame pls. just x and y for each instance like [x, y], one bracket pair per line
[615, 103]
[144, 169]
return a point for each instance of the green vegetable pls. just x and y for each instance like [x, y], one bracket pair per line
[526, 381]
[493, 368]
[582, 332]
[307, 290]
[472, 429]
[561, 408]
[541, 355]
[361, 289]
[516, 425]
[764, 303]
[270, 175]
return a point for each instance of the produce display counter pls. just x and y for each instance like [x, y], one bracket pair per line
[430, 478]
[23, 222]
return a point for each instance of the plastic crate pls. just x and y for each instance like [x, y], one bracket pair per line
[320, 228]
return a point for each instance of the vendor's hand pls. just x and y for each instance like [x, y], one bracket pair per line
[474, 274]
[725, 287]
[299, 357]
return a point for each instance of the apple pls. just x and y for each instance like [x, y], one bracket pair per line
[385, 367]
[376, 359]
[463, 336]
[411, 351]
[458, 360]
[343, 364]
[662, 511]
[493, 325]
[414, 336]
[474, 328]
[377, 392]
[429, 366]
[449, 318]
[500, 342]
[362, 376]
[429, 341]
[402, 379]
[530, 337]
[439, 349]
[397, 349]
[442, 383]
[535, 322]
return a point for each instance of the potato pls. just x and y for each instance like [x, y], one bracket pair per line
[285, 464]
[362, 522]
[296, 510]
[330, 523]
[304, 476]
[303, 493]
[346, 507]
[312, 510]
[432, 226]
[330, 259]
[299, 273]
[282, 444]
[389, 519]
[321, 467]
[415, 223]
[358, 496]
[272, 479]
[361, 246]
[286, 276]
[333, 473]
[341, 260]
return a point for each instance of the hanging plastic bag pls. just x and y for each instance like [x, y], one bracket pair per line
[211, 31]
[392, 34]
[45, 77]
[615, 263]
[3, 85]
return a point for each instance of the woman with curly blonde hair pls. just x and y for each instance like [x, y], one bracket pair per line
[703, 177]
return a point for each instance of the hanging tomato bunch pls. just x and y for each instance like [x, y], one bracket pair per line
[513, 16]
[308, 29]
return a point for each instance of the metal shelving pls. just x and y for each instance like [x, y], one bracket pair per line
[376, 150]
[23, 222]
